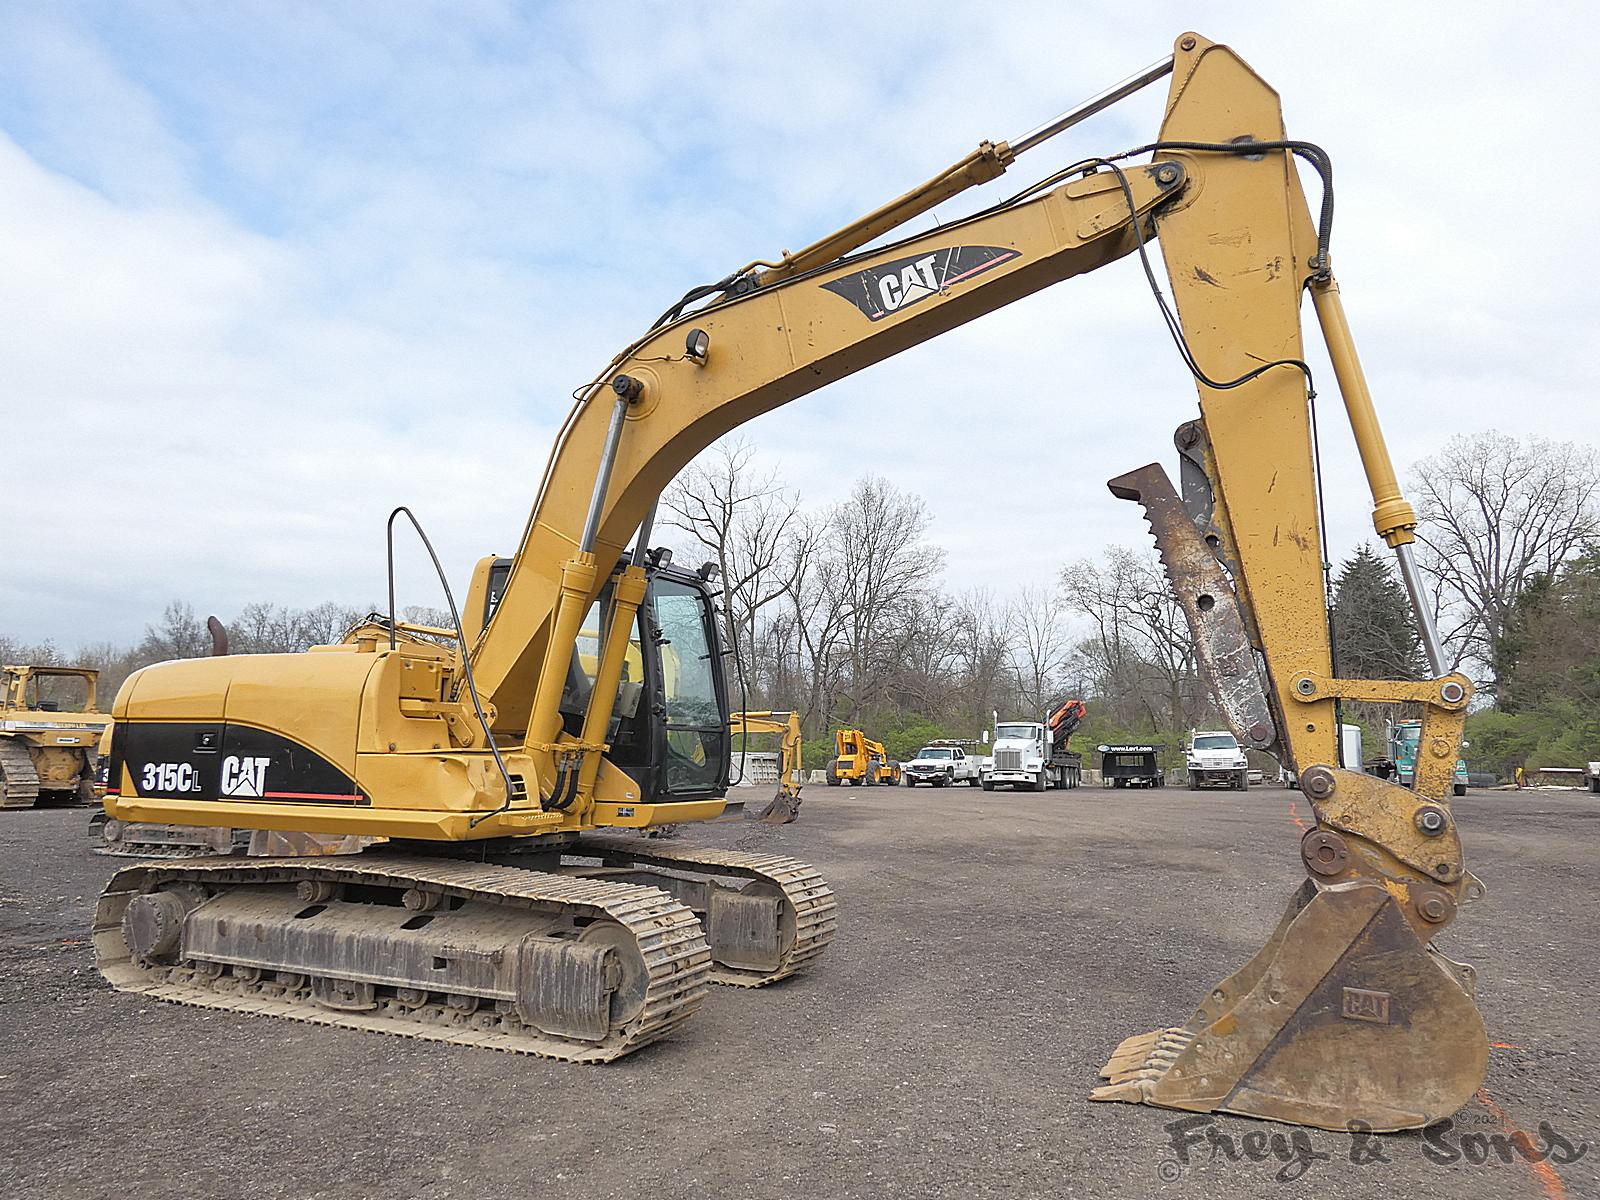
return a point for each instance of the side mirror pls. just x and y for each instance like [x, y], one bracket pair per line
[986, 738]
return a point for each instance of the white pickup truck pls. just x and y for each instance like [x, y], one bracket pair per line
[1215, 756]
[941, 765]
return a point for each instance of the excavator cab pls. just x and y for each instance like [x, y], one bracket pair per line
[669, 723]
[675, 743]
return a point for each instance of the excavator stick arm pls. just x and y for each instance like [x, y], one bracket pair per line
[784, 807]
[1347, 1015]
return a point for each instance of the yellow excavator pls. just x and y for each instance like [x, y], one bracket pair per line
[784, 806]
[499, 913]
[860, 761]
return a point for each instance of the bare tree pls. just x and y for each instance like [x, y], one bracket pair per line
[876, 565]
[180, 634]
[427, 614]
[262, 629]
[274, 629]
[1139, 654]
[1037, 645]
[1495, 513]
[325, 624]
[924, 653]
[983, 647]
[745, 519]
[806, 640]
[15, 652]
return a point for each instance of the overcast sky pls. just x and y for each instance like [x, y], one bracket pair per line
[267, 270]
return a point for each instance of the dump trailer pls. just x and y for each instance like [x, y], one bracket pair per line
[511, 909]
[48, 742]
[860, 762]
[1131, 765]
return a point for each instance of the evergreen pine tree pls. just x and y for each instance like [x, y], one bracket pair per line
[1375, 631]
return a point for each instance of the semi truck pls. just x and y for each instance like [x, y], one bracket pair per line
[1036, 754]
[1404, 738]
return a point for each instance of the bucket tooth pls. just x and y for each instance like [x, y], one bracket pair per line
[1344, 1016]
[1133, 1053]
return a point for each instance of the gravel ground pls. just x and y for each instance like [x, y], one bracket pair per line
[993, 949]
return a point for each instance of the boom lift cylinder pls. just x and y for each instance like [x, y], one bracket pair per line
[1393, 517]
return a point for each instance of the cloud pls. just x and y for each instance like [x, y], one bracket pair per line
[268, 275]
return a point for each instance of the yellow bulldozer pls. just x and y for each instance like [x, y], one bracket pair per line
[50, 730]
[860, 762]
[509, 908]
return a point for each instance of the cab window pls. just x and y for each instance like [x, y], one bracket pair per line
[696, 725]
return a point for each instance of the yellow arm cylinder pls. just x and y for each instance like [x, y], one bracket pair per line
[627, 595]
[987, 162]
[577, 582]
[793, 765]
[1394, 518]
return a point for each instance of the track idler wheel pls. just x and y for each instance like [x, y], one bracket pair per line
[152, 924]
[1345, 1018]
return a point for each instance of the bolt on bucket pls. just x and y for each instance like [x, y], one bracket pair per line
[1345, 1018]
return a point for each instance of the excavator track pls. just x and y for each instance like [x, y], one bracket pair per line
[560, 966]
[19, 782]
[738, 917]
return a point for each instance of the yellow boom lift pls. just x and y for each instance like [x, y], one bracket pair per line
[499, 915]
[860, 761]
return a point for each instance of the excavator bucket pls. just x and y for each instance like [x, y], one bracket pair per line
[1344, 1019]
[780, 810]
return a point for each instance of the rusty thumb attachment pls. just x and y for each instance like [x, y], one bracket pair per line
[782, 809]
[1210, 606]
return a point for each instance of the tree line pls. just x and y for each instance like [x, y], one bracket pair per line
[842, 612]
